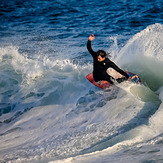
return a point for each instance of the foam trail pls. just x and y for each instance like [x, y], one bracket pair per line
[138, 135]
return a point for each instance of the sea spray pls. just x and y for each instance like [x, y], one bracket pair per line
[143, 55]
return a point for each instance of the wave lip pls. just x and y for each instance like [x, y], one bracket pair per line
[143, 55]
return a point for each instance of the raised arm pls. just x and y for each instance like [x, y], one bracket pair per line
[91, 37]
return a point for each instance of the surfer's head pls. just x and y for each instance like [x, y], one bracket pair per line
[101, 55]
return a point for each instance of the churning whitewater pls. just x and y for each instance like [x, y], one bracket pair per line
[50, 112]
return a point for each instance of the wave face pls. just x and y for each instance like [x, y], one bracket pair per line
[143, 53]
[49, 112]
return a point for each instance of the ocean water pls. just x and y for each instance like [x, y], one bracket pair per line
[49, 112]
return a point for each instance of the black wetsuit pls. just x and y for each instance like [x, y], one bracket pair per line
[100, 68]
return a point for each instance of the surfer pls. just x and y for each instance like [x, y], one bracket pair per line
[101, 64]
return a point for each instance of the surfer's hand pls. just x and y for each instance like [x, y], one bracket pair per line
[135, 76]
[91, 37]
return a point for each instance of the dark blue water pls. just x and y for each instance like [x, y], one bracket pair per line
[69, 23]
[48, 110]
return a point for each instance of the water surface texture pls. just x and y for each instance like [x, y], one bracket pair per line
[49, 112]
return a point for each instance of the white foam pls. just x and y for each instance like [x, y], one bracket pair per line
[30, 69]
[43, 129]
[145, 43]
[80, 117]
[143, 55]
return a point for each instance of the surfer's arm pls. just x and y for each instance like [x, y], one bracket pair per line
[89, 47]
[115, 67]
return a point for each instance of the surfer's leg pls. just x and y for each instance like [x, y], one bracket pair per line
[109, 79]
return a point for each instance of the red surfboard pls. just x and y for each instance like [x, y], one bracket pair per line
[105, 84]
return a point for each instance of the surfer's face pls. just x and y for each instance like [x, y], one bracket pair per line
[100, 59]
